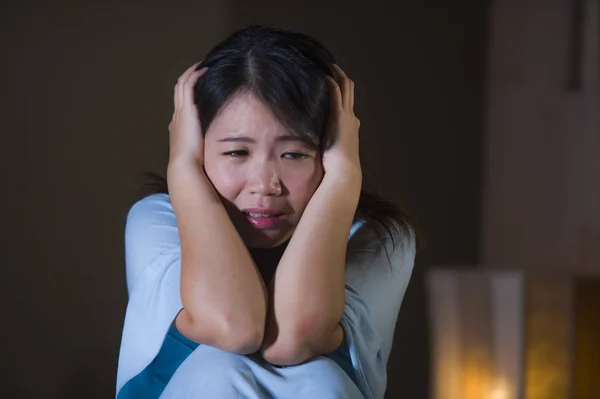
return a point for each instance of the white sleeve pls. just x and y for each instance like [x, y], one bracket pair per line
[375, 287]
[153, 266]
[380, 278]
[150, 230]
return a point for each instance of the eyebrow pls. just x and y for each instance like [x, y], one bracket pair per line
[245, 139]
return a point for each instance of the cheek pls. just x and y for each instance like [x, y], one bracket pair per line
[222, 178]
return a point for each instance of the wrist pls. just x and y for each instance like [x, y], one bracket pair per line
[185, 172]
[348, 180]
[185, 166]
[343, 189]
[185, 160]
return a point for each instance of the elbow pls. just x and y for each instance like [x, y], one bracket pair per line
[286, 353]
[306, 341]
[241, 339]
[289, 348]
[242, 336]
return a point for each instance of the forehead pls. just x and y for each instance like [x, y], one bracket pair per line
[245, 115]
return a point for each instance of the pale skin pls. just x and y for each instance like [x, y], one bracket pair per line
[247, 160]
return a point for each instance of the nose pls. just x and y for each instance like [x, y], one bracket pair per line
[266, 182]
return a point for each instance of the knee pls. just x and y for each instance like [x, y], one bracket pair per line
[210, 372]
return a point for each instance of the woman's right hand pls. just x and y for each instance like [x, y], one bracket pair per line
[185, 133]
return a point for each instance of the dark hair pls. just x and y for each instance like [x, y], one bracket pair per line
[286, 71]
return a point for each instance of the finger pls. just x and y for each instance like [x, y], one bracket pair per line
[340, 72]
[190, 85]
[351, 96]
[176, 96]
[346, 87]
[179, 97]
[335, 94]
[188, 72]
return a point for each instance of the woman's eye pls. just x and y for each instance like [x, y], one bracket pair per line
[236, 153]
[294, 155]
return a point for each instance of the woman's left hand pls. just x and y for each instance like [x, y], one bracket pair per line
[341, 161]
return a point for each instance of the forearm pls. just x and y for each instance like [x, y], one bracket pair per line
[221, 289]
[308, 292]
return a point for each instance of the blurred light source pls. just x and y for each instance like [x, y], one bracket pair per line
[500, 334]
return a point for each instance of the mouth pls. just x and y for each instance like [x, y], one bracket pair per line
[262, 215]
[264, 218]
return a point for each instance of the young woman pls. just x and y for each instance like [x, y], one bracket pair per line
[263, 270]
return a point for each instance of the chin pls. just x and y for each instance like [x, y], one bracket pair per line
[255, 237]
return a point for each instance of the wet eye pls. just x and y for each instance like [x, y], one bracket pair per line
[236, 153]
[294, 155]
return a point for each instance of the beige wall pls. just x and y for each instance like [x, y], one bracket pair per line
[541, 204]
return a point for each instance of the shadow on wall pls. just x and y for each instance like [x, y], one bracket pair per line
[86, 380]
[408, 368]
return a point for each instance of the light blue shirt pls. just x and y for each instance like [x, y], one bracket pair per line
[375, 287]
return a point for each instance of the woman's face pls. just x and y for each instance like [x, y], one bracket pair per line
[264, 175]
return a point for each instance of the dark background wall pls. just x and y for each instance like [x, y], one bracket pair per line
[85, 99]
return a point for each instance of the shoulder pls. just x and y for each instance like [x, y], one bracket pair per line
[371, 241]
[151, 220]
[150, 230]
[151, 214]
[151, 204]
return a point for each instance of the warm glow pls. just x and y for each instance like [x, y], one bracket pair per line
[508, 335]
[475, 380]
[477, 330]
[500, 390]
[477, 385]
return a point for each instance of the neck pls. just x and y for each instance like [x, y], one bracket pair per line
[267, 259]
